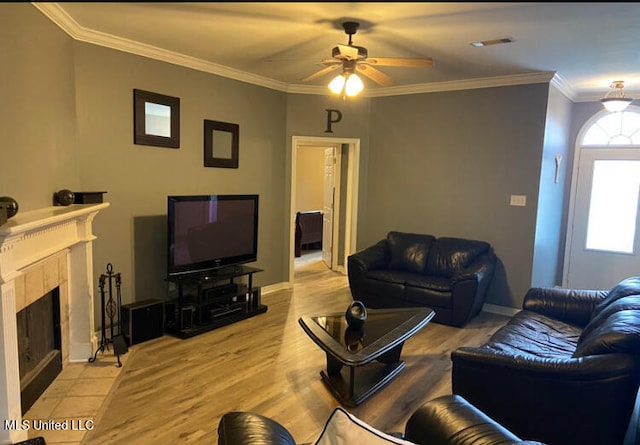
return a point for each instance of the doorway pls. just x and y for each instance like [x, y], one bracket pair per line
[340, 198]
[603, 246]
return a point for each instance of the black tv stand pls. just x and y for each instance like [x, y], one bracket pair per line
[211, 300]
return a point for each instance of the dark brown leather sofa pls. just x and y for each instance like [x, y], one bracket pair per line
[447, 420]
[448, 275]
[565, 370]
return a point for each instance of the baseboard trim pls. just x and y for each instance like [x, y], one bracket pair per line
[500, 310]
[276, 287]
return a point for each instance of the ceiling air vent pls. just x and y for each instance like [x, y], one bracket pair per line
[492, 42]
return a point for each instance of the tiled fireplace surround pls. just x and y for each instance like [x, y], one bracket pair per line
[39, 251]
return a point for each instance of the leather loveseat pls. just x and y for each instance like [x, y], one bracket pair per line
[564, 370]
[447, 420]
[448, 275]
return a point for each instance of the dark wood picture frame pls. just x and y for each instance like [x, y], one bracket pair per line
[221, 144]
[140, 120]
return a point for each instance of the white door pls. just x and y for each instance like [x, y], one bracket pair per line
[327, 209]
[603, 247]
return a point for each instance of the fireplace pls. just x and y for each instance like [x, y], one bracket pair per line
[39, 347]
[46, 259]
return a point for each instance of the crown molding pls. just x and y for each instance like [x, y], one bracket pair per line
[54, 12]
[468, 84]
[59, 16]
[564, 87]
[434, 87]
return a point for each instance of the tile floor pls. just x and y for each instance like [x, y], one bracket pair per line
[77, 396]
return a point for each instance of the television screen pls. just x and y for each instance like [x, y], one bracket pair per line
[207, 232]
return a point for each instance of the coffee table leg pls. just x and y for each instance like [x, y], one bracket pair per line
[333, 366]
[393, 356]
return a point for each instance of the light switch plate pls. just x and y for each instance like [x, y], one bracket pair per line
[519, 200]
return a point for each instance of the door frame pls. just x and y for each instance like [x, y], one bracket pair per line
[350, 216]
[577, 150]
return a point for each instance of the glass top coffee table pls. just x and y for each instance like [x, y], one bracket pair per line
[374, 350]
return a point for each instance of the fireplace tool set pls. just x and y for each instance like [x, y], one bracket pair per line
[111, 309]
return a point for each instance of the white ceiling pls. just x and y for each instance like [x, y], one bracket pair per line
[584, 46]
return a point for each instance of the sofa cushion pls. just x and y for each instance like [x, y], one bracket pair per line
[389, 276]
[531, 334]
[409, 251]
[433, 298]
[620, 332]
[450, 255]
[442, 284]
[626, 287]
[343, 428]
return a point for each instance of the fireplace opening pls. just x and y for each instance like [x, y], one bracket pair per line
[39, 347]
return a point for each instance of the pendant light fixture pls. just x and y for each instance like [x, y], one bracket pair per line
[615, 100]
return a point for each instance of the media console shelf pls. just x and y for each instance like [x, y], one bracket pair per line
[207, 302]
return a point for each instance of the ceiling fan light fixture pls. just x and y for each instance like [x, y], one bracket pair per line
[615, 99]
[337, 84]
[354, 85]
[347, 84]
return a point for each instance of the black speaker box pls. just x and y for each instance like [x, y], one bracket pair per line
[142, 320]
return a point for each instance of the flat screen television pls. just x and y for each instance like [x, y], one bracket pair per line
[209, 232]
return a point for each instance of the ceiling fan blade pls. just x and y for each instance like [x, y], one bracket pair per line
[331, 62]
[400, 61]
[376, 75]
[322, 72]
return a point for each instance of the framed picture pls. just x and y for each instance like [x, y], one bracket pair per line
[156, 119]
[221, 144]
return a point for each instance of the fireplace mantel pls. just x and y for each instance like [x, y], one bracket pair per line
[38, 244]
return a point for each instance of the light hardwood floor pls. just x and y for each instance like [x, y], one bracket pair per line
[173, 391]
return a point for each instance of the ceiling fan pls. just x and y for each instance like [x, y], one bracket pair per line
[352, 58]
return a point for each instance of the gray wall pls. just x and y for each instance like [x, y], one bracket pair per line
[580, 114]
[37, 107]
[447, 163]
[48, 78]
[138, 178]
[553, 200]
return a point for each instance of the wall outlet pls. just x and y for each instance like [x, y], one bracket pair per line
[518, 200]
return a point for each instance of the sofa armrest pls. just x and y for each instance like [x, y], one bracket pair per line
[569, 305]
[451, 420]
[469, 288]
[543, 398]
[244, 428]
[373, 257]
[481, 270]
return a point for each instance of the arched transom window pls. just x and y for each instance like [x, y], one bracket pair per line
[621, 128]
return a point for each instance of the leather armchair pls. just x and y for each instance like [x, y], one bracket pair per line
[447, 420]
[565, 370]
[245, 428]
